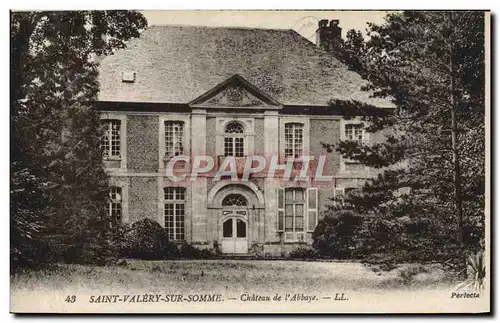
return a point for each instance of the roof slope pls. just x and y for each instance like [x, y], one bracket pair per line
[177, 64]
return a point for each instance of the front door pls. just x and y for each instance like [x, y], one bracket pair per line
[234, 231]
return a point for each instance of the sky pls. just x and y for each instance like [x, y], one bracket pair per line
[304, 22]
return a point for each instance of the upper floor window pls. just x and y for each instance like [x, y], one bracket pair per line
[114, 206]
[234, 140]
[174, 138]
[355, 132]
[110, 141]
[174, 212]
[294, 140]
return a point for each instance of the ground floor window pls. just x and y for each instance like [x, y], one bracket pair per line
[297, 210]
[114, 206]
[174, 212]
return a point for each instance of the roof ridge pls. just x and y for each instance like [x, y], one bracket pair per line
[219, 27]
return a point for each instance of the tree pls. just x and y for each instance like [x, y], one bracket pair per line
[352, 51]
[431, 65]
[57, 179]
[338, 236]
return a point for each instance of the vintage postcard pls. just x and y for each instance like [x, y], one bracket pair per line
[250, 162]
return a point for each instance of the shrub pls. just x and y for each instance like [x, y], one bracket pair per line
[335, 236]
[29, 254]
[256, 249]
[187, 251]
[476, 272]
[119, 243]
[147, 240]
[303, 253]
[89, 253]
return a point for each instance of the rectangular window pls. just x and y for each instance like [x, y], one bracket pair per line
[354, 132]
[294, 140]
[234, 146]
[114, 206]
[174, 212]
[110, 141]
[339, 197]
[174, 138]
[228, 146]
[297, 209]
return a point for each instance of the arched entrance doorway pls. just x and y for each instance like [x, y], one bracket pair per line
[234, 224]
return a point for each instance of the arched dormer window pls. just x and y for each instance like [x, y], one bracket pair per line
[234, 140]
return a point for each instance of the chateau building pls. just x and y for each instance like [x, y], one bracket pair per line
[229, 93]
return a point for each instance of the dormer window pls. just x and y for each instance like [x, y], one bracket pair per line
[234, 140]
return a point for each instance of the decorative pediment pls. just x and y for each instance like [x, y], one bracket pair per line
[235, 92]
[235, 96]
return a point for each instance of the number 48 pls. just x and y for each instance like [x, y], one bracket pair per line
[70, 299]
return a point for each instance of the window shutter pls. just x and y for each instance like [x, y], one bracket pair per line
[366, 134]
[281, 210]
[312, 208]
[365, 139]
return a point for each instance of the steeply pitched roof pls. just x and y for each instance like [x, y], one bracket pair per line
[177, 64]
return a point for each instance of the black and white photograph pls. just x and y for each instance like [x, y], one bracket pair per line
[263, 161]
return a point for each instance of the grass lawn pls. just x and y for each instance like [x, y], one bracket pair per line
[234, 276]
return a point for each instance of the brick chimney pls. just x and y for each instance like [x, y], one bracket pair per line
[329, 35]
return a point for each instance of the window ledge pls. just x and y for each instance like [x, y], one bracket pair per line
[168, 158]
[204, 243]
[112, 158]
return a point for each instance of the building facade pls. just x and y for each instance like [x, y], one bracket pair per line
[229, 94]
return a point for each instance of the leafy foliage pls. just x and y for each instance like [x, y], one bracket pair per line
[58, 186]
[429, 194]
[147, 240]
[187, 251]
[352, 50]
[303, 253]
[476, 272]
[335, 236]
